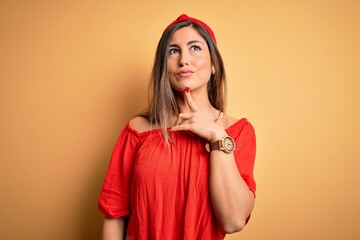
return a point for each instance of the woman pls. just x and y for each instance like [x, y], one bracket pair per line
[184, 169]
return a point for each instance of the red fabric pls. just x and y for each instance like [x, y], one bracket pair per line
[165, 190]
[185, 17]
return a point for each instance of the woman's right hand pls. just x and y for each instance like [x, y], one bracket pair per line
[200, 123]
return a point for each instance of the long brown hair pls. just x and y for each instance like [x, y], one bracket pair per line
[162, 105]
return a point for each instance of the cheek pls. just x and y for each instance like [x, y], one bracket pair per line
[205, 67]
[204, 61]
[171, 66]
[170, 75]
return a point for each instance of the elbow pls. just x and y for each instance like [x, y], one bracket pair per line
[233, 227]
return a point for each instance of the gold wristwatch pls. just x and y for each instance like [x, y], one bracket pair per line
[225, 144]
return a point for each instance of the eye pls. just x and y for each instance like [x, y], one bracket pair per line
[173, 51]
[196, 47]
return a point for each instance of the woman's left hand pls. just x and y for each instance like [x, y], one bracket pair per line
[198, 122]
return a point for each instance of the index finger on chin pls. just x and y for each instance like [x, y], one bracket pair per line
[190, 101]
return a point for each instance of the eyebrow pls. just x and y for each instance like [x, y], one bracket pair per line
[189, 43]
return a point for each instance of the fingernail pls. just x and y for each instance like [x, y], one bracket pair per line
[187, 89]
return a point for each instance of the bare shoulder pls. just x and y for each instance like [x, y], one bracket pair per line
[140, 124]
[229, 120]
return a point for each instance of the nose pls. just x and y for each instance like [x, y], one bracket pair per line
[184, 59]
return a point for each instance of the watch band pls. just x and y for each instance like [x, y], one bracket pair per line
[225, 144]
[217, 145]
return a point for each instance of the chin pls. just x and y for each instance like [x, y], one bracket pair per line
[181, 87]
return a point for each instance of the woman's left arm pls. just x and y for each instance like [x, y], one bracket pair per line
[231, 197]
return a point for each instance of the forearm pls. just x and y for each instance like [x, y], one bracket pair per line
[113, 229]
[231, 198]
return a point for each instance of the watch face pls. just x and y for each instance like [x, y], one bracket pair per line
[229, 144]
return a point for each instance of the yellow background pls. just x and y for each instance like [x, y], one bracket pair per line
[73, 72]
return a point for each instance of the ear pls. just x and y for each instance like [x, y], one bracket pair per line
[212, 69]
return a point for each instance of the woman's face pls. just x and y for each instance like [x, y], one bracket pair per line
[189, 62]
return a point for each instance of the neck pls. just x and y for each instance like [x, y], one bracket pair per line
[201, 100]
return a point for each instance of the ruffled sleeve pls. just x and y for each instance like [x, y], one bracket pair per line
[114, 198]
[245, 142]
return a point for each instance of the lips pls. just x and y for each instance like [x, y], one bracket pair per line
[184, 73]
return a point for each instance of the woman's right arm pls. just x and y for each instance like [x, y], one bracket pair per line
[113, 228]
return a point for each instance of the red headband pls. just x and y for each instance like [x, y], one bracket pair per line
[184, 17]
